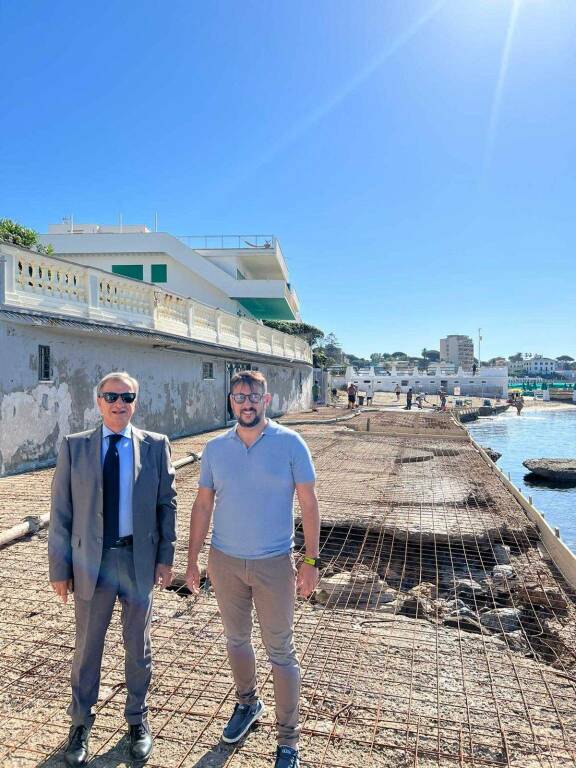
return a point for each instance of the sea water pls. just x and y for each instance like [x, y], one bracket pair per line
[535, 434]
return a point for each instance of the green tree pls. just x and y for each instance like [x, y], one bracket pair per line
[15, 233]
[565, 359]
[359, 362]
[319, 359]
[399, 355]
[332, 350]
[517, 358]
[306, 331]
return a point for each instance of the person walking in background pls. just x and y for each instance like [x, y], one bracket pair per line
[518, 404]
[352, 390]
[409, 399]
[398, 392]
[247, 479]
[112, 535]
[315, 395]
[442, 396]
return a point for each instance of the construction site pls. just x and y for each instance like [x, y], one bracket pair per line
[442, 632]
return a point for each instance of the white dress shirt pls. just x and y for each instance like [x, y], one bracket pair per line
[126, 454]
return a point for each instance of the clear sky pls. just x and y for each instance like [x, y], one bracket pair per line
[416, 158]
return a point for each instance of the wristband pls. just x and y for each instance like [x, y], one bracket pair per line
[315, 561]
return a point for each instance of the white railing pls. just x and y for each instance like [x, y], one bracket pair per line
[36, 281]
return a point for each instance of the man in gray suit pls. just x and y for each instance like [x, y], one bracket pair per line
[112, 534]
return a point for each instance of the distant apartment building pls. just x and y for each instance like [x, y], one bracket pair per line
[458, 350]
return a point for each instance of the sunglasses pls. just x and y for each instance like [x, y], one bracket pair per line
[253, 397]
[111, 397]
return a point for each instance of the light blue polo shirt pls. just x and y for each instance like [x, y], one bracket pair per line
[254, 488]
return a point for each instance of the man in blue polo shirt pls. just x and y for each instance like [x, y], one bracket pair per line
[247, 479]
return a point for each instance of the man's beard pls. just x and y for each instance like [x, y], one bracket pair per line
[256, 419]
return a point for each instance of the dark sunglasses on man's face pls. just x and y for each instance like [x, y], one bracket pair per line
[240, 398]
[111, 397]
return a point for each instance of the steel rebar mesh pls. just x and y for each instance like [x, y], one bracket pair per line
[391, 676]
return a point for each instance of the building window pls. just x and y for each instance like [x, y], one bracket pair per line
[404, 382]
[159, 273]
[135, 271]
[44, 363]
[207, 370]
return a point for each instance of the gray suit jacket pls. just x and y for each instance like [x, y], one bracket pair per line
[76, 517]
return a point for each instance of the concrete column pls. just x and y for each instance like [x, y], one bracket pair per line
[240, 329]
[218, 318]
[93, 291]
[191, 319]
[3, 261]
[7, 274]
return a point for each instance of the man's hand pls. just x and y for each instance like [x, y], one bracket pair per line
[163, 575]
[307, 580]
[62, 588]
[193, 577]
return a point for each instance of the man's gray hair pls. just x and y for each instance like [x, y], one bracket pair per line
[118, 376]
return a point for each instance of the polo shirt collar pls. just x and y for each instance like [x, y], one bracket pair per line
[233, 433]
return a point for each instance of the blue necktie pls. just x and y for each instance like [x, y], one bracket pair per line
[111, 491]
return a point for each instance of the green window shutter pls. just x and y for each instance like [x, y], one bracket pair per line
[136, 271]
[159, 273]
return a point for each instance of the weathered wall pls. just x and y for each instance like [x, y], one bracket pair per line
[174, 398]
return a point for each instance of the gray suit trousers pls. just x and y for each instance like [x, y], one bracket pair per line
[116, 578]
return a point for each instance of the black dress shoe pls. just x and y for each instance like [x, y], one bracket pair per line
[140, 741]
[76, 752]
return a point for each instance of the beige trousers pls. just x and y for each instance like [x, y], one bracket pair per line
[268, 585]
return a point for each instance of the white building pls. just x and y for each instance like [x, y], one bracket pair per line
[539, 365]
[534, 365]
[488, 381]
[244, 275]
[64, 324]
[458, 350]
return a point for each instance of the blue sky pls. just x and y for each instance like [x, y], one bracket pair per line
[416, 158]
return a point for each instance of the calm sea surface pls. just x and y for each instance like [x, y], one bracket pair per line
[535, 434]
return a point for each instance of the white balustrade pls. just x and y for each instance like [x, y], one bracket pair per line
[126, 296]
[38, 281]
[249, 335]
[229, 330]
[171, 311]
[266, 341]
[205, 323]
[49, 278]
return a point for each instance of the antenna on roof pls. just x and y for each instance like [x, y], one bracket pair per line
[155, 221]
[121, 230]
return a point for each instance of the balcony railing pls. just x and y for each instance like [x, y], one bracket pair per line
[229, 241]
[34, 281]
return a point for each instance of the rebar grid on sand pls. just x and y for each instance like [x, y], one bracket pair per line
[407, 657]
